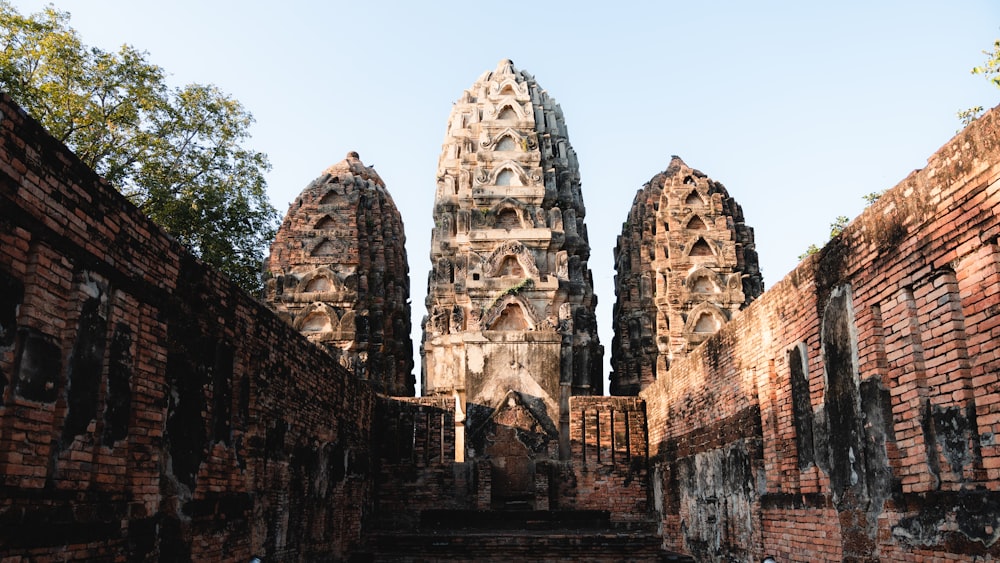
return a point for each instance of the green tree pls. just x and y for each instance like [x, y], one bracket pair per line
[989, 69]
[177, 153]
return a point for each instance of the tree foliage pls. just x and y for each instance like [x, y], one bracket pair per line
[177, 153]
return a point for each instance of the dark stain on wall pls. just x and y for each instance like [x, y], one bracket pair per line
[845, 461]
[930, 440]
[119, 398]
[274, 440]
[958, 435]
[876, 408]
[185, 433]
[11, 297]
[38, 363]
[85, 364]
[802, 412]
[32, 523]
[973, 516]
[222, 394]
[718, 493]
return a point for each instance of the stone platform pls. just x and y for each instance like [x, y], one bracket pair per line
[528, 535]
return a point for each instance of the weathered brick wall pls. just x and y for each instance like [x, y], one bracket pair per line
[414, 447]
[148, 408]
[609, 466]
[852, 411]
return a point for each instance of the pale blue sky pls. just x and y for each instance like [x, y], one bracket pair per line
[799, 108]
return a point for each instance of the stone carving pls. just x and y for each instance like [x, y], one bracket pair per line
[457, 320]
[493, 263]
[680, 209]
[504, 305]
[358, 257]
[439, 322]
[507, 282]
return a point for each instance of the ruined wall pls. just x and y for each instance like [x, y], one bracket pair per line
[149, 409]
[609, 468]
[851, 412]
[414, 449]
[414, 445]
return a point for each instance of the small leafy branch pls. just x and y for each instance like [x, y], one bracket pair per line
[872, 197]
[526, 283]
[991, 70]
[836, 227]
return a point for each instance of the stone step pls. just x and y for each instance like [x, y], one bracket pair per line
[515, 520]
[503, 536]
[505, 546]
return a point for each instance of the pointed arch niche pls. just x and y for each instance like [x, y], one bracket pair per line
[508, 173]
[507, 114]
[332, 195]
[507, 143]
[320, 280]
[701, 248]
[507, 177]
[326, 222]
[511, 312]
[494, 264]
[317, 318]
[706, 324]
[697, 224]
[324, 248]
[693, 199]
[704, 320]
[704, 281]
[508, 219]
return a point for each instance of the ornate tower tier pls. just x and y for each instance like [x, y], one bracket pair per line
[510, 298]
[340, 276]
[685, 263]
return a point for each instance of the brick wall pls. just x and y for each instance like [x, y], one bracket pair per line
[852, 411]
[414, 445]
[608, 468]
[148, 408]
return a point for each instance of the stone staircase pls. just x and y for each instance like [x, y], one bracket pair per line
[522, 535]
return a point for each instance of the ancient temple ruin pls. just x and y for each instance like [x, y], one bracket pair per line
[339, 275]
[151, 410]
[510, 298]
[686, 263]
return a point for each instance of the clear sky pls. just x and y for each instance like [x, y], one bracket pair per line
[798, 108]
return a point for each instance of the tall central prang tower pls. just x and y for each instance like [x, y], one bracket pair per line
[510, 330]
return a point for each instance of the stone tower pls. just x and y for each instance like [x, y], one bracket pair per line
[510, 297]
[685, 263]
[340, 276]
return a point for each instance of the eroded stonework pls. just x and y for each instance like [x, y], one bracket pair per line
[686, 262]
[340, 276]
[510, 297]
